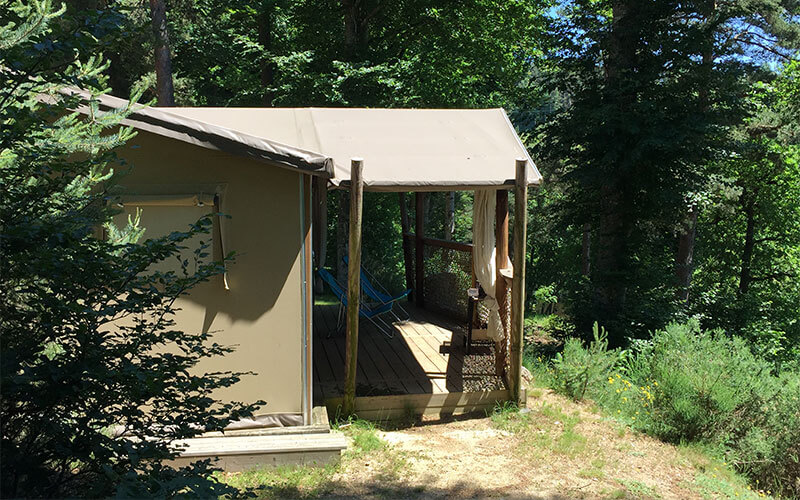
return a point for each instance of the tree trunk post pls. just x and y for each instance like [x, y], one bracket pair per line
[586, 249]
[518, 284]
[342, 223]
[265, 20]
[501, 290]
[419, 250]
[353, 285]
[320, 202]
[749, 204]
[450, 215]
[405, 228]
[683, 261]
[165, 92]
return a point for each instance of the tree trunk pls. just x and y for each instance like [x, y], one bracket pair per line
[116, 75]
[745, 276]
[356, 30]
[586, 250]
[610, 275]
[265, 22]
[686, 240]
[342, 231]
[450, 215]
[683, 261]
[426, 208]
[408, 254]
[320, 221]
[165, 92]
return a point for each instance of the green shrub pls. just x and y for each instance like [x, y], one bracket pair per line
[693, 386]
[703, 379]
[545, 299]
[576, 369]
[770, 451]
[689, 385]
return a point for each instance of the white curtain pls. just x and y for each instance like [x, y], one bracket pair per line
[483, 255]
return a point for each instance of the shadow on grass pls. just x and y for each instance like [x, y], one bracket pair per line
[376, 489]
[412, 421]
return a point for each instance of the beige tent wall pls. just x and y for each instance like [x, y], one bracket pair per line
[262, 310]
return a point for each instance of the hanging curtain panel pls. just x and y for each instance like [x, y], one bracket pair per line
[484, 256]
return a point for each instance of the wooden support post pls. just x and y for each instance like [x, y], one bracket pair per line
[405, 228]
[419, 250]
[501, 290]
[518, 284]
[320, 227]
[353, 285]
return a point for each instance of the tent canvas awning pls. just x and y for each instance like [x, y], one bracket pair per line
[402, 149]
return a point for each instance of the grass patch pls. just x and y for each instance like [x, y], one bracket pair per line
[570, 443]
[595, 471]
[364, 437]
[326, 299]
[614, 494]
[388, 463]
[506, 417]
[544, 430]
[639, 490]
[283, 482]
[714, 478]
[366, 445]
[535, 393]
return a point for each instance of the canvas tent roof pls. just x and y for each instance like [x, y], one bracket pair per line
[403, 149]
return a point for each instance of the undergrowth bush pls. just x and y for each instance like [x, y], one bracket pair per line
[689, 385]
[578, 367]
[706, 382]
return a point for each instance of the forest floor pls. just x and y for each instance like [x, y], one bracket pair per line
[553, 449]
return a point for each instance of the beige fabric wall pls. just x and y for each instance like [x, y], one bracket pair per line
[262, 310]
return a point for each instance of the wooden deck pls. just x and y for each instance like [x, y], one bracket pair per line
[424, 357]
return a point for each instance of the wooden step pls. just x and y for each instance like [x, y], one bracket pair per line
[236, 453]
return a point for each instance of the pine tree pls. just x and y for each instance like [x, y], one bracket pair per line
[95, 378]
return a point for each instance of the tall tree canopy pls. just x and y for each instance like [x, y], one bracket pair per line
[653, 91]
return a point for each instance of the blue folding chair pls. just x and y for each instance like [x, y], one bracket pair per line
[369, 311]
[380, 294]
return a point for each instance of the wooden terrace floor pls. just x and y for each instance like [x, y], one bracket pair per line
[425, 356]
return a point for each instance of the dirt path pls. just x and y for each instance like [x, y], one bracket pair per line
[559, 449]
[553, 449]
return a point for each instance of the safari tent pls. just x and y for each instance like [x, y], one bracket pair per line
[270, 169]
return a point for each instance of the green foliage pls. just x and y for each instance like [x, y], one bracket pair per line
[749, 255]
[577, 368]
[364, 436]
[691, 385]
[96, 378]
[702, 378]
[545, 299]
[307, 481]
[697, 385]
[644, 101]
